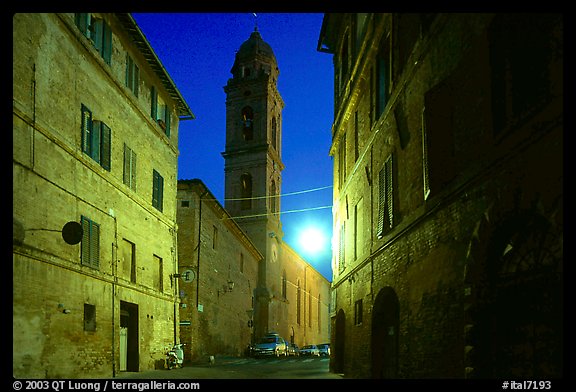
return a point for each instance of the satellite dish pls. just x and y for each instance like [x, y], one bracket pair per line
[72, 233]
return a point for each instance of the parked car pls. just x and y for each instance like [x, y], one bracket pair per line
[310, 350]
[293, 350]
[270, 345]
[324, 349]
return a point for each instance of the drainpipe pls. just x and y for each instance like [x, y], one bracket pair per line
[198, 247]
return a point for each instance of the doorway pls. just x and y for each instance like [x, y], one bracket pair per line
[129, 353]
[385, 323]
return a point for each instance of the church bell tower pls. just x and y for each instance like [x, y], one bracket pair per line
[253, 163]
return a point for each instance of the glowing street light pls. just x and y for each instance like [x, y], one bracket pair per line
[312, 240]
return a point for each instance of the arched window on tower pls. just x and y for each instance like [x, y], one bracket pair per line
[274, 134]
[273, 198]
[246, 191]
[247, 123]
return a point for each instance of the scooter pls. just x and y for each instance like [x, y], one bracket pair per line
[175, 357]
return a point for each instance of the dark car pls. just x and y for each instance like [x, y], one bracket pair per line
[293, 350]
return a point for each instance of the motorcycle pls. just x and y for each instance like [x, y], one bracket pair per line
[175, 356]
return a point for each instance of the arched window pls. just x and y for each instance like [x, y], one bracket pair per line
[246, 191]
[284, 284]
[274, 133]
[247, 123]
[273, 198]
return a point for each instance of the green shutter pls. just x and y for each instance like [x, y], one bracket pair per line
[167, 120]
[381, 202]
[154, 103]
[85, 244]
[94, 245]
[95, 140]
[86, 125]
[105, 146]
[389, 193]
[107, 43]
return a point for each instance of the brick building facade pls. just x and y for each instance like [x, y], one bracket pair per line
[448, 208]
[217, 298]
[95, 142]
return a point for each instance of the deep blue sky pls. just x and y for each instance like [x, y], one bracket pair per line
[197, 50]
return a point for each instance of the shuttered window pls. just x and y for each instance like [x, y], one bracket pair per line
[90, 246]
[132, 75]
[342, 248]
[96, 139]
[385, 198]
[97, 31]
[157, 190]
[129, 176]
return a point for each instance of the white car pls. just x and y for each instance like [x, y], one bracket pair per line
[310, 350]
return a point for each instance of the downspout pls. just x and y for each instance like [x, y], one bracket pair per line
[198, 247]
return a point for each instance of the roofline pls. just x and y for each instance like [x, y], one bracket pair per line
[133, 30]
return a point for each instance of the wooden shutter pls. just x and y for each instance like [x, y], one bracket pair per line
[85, 244]
[90, 246]
[389, 192]
[154, 103]
[86, 126]
[95, 140]
[107, 43]
[381, 202]
[167, 120]
[105, 146]
[157, 190]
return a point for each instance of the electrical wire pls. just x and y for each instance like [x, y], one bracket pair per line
[281, 195]
[280, 212]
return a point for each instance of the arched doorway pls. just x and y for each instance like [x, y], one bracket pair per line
[516, 313]
[385, 323]
[339, 342]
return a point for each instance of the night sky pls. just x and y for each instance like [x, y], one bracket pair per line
[198, 49]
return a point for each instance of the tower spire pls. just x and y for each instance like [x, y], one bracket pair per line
[255, 21]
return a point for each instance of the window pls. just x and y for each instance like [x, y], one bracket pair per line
[90, 245]
[385, 198]
[383, 62]
[241, 263]
[356, 131]
[342, 161]
[158, 273]
[310, 309]
[214, 237]
[284, 280]
[247, 123]
[358, 312]
[132, 75]
[185, 203]
[358, 228]
[274, 133]
[438, 126]
[342, 248]
[246, 191]
[157, 190]
[97, 31]
[129, 176]
[96, 139]
[273, 198]
[128, 254]
[522, 47]
[298, 302]
[89, 317]
[153, 103]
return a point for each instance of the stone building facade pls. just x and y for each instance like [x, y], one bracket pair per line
[222, 265]
[448, 207]
[291, 297]
[95, 147]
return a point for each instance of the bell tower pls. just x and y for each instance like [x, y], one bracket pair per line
[253, 162]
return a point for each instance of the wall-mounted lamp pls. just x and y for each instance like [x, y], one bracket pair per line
[226, 288]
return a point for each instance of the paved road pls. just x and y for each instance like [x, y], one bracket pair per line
[244, 368]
